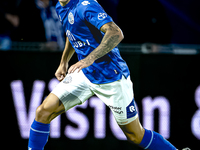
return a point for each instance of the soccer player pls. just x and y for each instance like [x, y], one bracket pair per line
[93, 35]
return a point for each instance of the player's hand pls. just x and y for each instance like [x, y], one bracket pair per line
[61, 72]
[84, 63]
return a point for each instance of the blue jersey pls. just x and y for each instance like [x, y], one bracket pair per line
[82, 20]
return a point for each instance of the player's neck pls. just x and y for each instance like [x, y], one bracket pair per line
[64, 2]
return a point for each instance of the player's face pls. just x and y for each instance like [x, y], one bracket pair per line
[63, 2]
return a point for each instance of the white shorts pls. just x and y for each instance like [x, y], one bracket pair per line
[75, 89]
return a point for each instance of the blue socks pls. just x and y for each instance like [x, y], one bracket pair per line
[39, 134]
[154, 141]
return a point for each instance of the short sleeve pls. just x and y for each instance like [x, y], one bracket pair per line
[95, 14]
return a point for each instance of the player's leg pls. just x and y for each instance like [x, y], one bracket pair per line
[146, 139]
[70, 92]
[119, 97]
[40, 128]
[45, 113]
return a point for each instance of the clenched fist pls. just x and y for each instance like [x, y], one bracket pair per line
[61, 71]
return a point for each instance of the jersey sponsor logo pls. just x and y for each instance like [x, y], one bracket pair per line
[70, 36]
[85, 3]
[71, 18]
[102, 16]
[116, 109]
[76, 43]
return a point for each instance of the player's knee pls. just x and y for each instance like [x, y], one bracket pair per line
[42, 115]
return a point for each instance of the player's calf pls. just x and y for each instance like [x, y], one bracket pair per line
[133, 131]
[135, 139]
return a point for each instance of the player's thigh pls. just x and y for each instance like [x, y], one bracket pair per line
[118, 96]
[133, 131]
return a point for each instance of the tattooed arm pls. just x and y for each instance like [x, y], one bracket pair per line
[113, 36]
